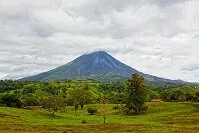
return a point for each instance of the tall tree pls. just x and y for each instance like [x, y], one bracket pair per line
[136, 95]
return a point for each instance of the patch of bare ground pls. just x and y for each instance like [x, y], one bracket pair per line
[71, 129]
[121, 127]
[186, 130]
[37, 128]
[183, 125]
[6, 115]
[184, 122]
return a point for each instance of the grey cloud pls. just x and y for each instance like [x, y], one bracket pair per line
[166, 3]
[190, 68]
[154, 36]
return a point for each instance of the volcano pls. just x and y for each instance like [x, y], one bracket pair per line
[97, 66]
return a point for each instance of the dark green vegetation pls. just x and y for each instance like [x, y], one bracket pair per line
[100, 66]
[92, 110]
[80, 93]
[136, 95]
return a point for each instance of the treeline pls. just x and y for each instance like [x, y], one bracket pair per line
[8, 85]
[180, 94]
[55, 96]
[34, 93]
[79, 93]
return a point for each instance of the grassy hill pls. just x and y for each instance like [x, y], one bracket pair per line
[161, 117]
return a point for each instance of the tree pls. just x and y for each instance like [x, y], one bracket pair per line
[30, 100]
[11, 100]
[135, 95]
[179, 96]
[196, 97]
[53, 103]
[85, 96]
[189, 97]
[28, 89]
[80, 96]
[154, 95]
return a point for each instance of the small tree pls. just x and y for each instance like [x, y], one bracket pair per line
[11, 100]
[135, 95]
[92, 110]
[29, 100]
[84, 96]
[196, 97]
[189, 96]
[53, 103]
[80, 97]
[116, 107]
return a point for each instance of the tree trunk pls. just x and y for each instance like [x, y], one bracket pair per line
[82, 106]
[104, 119]
[76, 107]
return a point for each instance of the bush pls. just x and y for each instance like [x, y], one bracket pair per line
[116, 107]
[92, 110]
[133, 109]
[84, 121]
[28, 90]
[196, 97]
[30, 100]
[11, 100]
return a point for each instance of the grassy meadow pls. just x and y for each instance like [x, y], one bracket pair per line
[166, 117]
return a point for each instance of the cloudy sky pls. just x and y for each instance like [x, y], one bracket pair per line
[158, 37]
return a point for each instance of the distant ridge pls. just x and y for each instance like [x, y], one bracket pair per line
[98, 66]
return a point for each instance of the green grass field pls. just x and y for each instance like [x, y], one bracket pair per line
[161, 117]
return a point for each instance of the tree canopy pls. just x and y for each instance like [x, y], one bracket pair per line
[136, 92]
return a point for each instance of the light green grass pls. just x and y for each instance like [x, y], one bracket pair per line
[161, 117]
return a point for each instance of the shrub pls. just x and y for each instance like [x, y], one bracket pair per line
[133, 109]
[30, 100]
[92, 110]
[84, 121]
[116, 107]
[11, 100]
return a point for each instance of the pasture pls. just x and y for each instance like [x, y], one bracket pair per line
[161, 117]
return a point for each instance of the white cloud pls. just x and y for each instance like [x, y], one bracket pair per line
[154, 36]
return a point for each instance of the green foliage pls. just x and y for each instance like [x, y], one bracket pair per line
[30, 100]
[154, 95]
[84, 121]
[135, 95]
[11, 100]
[8, 85]
[113, 92]
[92, 110]
[196, 97]
[112, 86]
[53, 103]
[28, 89]
[183, 93]
[80, 96]
[116, 107]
